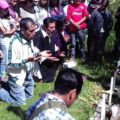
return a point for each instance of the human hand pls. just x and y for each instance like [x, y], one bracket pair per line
[77, 25]
[53, 59]
[30, 59]
[66, 38]
[46, 53]
[61, 54]
[37, 58]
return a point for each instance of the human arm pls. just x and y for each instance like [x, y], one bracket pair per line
[69, 15]
[81, 21]
[6, 32]
[85, 16]
[66, 38]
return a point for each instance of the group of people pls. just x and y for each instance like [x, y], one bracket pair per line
[34, 35]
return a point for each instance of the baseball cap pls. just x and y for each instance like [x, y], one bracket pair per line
[3, 4]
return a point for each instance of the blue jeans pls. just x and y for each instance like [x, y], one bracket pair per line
[17, 95]
[81, 37]
[3, 62]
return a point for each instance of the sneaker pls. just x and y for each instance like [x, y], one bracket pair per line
[69, 64]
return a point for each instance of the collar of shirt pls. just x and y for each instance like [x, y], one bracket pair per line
[44, 33]
[23, 40]
[51, 96]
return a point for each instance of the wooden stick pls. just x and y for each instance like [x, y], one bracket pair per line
[103, 111]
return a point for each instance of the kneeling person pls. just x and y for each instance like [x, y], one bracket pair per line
[21, 57]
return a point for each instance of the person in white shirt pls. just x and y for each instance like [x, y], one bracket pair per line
[7, 29]
[21, 57]
[42, 11]
[27, 10]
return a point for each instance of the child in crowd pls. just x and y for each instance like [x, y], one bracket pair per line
[7, 29]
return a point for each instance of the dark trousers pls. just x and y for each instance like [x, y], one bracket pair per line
[96, 44]
[48, 71]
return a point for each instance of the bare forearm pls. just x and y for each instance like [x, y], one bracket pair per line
[11, 32]
[82, 20]
[71, 21]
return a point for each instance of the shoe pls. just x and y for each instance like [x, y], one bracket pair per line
[69, 64]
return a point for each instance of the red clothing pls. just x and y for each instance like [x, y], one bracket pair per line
[76, 13]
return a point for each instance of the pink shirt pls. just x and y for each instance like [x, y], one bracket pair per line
[76, 13]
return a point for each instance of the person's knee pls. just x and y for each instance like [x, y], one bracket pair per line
[20, 102]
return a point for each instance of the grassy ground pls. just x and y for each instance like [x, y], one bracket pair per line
[98, 76]
[82, 109]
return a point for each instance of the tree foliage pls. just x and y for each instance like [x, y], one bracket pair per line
[114, 4]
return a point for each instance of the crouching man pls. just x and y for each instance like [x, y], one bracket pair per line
[53, 105]
[21, 57]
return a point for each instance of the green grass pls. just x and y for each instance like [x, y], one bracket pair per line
[9, 112]
[82, 108]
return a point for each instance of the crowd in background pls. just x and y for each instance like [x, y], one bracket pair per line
[57, 30]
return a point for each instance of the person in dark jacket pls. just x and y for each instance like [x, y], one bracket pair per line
[101, 23]
[117, 33]
[48, 39]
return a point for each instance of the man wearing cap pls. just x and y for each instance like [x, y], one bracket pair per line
[21, 57]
